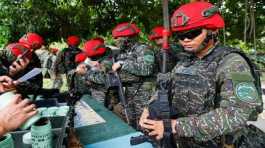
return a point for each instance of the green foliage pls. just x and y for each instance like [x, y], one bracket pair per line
[4, 35]
[241, 45]
[56, 19]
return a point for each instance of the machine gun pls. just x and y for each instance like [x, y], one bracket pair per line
[159, 109]
[113, 81]
[71, 98]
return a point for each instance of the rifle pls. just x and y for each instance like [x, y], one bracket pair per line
[159, 109]
[113, 81]
[25, 54]
[71, 98]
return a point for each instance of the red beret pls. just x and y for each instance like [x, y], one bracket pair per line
[81, 57]
[156, 33]
[18, 49]
[73, 40]
[33, 40]
[94, 47]
[125, 30]
[196, 15]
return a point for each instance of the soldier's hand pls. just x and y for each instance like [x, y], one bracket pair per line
[81, 69]
[6, 83]
[18, 66]
[156, 128]
[116, 66]
[16, 113]
[144, 116]
[95, 64]
[173, 125]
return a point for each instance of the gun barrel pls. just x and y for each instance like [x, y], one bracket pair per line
[123, 99]
[25, 54]
[139, 139]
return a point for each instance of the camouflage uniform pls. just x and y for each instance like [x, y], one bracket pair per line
[47, 60]
[135, 73]
[65, 61]
[213, 98]
[3, 69]
[174, 54]
[30, 86]
[98, 91]
[65, 64]
[43, 55]
[56, 78]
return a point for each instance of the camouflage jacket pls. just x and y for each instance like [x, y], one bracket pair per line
[29, 86]
[50, 61]
[137, 62]
[82, 84]
[174, 54]
[213, 96]
[42, 54]
[65, 61]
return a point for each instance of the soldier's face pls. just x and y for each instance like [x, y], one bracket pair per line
[159, 41]
[192, 42]
[119, 41]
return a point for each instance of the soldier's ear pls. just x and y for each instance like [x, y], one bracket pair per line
[212, 34]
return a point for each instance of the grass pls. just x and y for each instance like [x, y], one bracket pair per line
[47, 83]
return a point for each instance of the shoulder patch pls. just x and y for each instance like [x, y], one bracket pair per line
[246, 92]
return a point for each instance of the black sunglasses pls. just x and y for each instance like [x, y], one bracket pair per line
[189, 35]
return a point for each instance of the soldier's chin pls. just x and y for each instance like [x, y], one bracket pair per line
[191, 50]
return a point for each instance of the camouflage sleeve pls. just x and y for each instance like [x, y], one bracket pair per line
[59, 67]
[54, 57]
[238, 100]
[71, 73]
[106, 65]
[6, 57]
[3, 71]
[97, 77]
[144, 64]
[3, 66]
[3, 53]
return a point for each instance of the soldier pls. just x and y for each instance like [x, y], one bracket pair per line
[174, 54]
[214, 92]
[135, 64]
[65, 60]
[49, 64]
[43, 55]
[17, 68]
[97, 60]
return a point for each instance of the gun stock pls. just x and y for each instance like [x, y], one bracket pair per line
[159, 109]
[113, 81]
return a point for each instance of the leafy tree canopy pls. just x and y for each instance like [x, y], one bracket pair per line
[56, 19]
